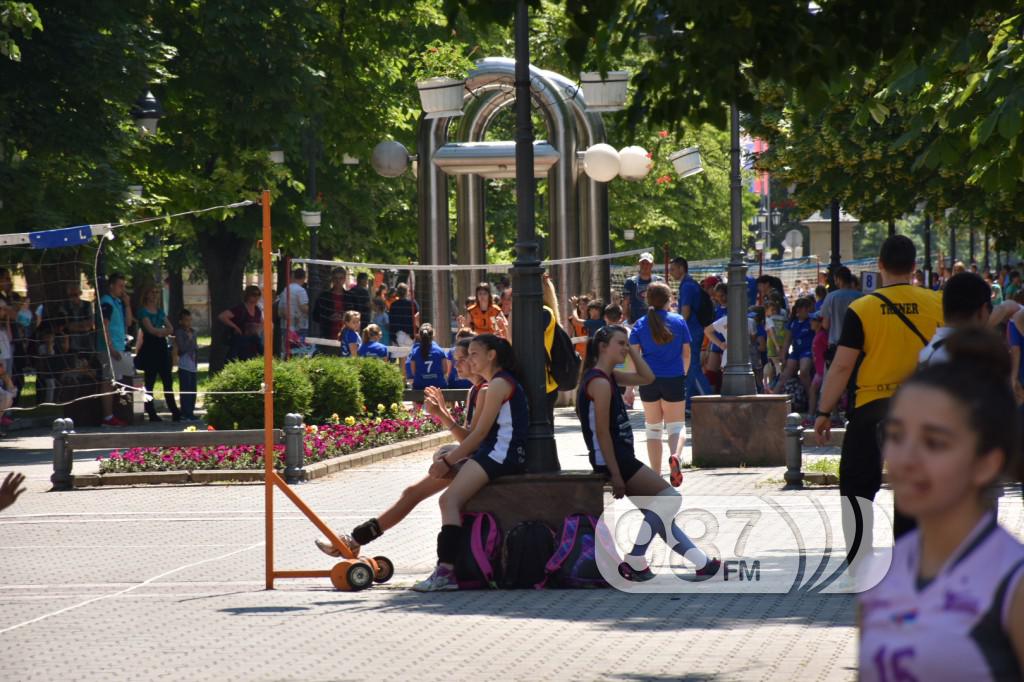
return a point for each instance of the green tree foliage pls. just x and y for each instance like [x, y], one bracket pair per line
[16, 18]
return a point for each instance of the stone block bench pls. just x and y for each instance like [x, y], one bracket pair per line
[546, 497]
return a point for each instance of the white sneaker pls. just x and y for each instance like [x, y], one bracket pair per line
[441, 580]
[328, 548]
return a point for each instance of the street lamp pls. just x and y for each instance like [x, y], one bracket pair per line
[276, 155]
[147, 112]
[687, 162]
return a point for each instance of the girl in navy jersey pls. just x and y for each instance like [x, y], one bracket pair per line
[453, 377]
[609, 438]
[951, 606]
[664, 340]
[350, 334]
[428, 362]
[371, 346]
[428, 485]
[495, 447]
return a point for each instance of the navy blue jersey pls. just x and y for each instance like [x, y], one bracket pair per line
[801, 335]
[507, 438]
[428, 371]
[453, 376]
[621, 429]
[474, 393]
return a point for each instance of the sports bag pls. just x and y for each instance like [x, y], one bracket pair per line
[574, 563]
[705, 309]
[564, 362]
[478, 562]
[525, 554]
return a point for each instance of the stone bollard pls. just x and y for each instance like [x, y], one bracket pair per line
[294, 450]
[63, 456]
[794, 451]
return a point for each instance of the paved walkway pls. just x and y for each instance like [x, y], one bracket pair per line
[167, 582]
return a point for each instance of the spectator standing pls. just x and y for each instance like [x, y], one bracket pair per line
[404, 317]
[688, 303]
[79, 320]
[882, 335]
[117, 361]
[155, 356]
[245, 324]
[966, 302]
[329, 308]
[1015, 286]
[381, 319]
[358, 299]
[186, 349]
[293, 307]
[833, 309]
[634, 291]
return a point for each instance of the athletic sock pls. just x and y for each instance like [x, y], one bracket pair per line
[684, 547]
[367, 532]
[449, 541]
[651, 528]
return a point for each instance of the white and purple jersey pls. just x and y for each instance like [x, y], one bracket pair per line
[955, 626]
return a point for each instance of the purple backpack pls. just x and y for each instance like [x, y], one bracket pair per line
[574, 563]
[480, 556]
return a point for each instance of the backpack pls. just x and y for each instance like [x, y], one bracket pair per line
[705, 309]
[574, 563]
[479, 557]
[525, 553]
[564, 362]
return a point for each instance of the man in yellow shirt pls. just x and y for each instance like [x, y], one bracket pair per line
[883, 333]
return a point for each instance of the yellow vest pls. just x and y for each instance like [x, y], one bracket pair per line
[549, 340]
[890, 347]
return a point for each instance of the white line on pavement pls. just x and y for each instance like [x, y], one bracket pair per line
[128, 589]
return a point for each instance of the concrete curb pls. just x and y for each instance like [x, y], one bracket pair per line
[311, 471]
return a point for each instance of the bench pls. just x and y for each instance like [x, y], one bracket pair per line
[548, 497]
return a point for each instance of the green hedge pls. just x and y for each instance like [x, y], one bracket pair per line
[292, 393]
[336, 387]
[382, 382]
[316, 388]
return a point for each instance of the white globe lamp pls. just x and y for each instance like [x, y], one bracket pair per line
[634, 164]
[601, 162]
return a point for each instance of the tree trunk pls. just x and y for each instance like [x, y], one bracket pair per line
[176, 300]
[224, 255]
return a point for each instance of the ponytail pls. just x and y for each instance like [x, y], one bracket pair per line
[426, 340]
[658, 295]
[370, 332]
[504, 357]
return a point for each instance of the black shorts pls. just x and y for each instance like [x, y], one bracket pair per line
[669, 389]
[515, 463]
[628, 466]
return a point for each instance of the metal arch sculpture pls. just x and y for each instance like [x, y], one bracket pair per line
[578, 206]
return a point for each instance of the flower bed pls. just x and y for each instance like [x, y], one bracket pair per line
[334, 439]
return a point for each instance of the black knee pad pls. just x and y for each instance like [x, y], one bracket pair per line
[366, 532]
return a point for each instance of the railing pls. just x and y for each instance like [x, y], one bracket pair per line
[66, 441]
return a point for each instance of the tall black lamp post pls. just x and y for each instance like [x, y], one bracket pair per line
[738, 377]
[528, 298]
[835, 260]
[928, 251]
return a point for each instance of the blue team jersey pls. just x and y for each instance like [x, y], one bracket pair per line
[428, 371]
[1017, 340]
[376, 349]
[666, 359]
[801, 335]
[348, 336]
[453, 376]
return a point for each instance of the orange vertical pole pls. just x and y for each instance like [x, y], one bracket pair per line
[268, 395]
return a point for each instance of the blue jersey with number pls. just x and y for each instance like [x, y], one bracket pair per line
[428, 371]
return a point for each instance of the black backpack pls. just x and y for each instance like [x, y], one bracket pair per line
[564, 362]
[525, 553]
[705, 309]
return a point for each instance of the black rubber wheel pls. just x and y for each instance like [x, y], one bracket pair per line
[385, 569]
[360, 576]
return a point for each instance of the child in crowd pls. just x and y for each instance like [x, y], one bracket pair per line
[713, 361]
[612, 316]
[495, 447]
[819, 347]
[595, 313]
[797, 341]
[371, 346]
[820, 293]
[951, 605]
[454, 378]
[370, 530]
[380, 318]
[758, 346]
[609, 438]
[350, 321]
[775, 325]
[580, 307]
[186, 350]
